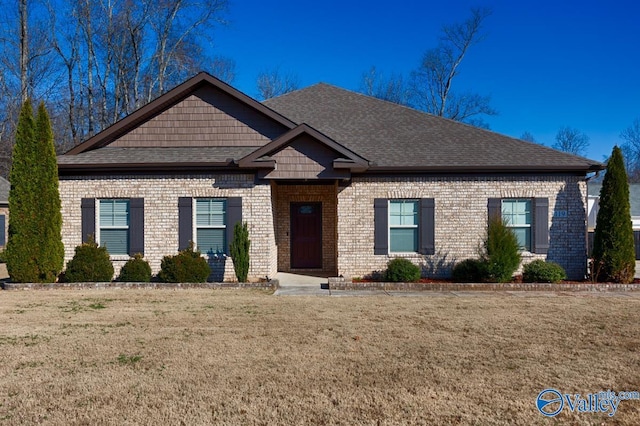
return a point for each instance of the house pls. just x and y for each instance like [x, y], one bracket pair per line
[329, 182]
[593, 204]
[4, 211]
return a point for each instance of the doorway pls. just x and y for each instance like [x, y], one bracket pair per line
[306, 235]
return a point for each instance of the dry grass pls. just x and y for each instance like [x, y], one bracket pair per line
[246, 357]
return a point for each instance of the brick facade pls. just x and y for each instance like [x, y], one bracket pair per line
[348, 216]
[460, 218]
[160, 195]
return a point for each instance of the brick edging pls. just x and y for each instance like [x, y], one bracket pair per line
[341, 284]
[271, 285]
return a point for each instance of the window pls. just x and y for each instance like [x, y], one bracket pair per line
[210, 225]
[517, 214]
[403, 226]
[114, 226]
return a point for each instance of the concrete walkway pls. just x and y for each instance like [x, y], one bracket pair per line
[305, 285]
[301, 285]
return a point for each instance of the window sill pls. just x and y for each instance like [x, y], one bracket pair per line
[119, 257]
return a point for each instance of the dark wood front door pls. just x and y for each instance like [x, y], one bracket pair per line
[306, 235]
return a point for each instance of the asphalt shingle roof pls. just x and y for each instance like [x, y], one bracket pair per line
[114, 156]
[393, 136]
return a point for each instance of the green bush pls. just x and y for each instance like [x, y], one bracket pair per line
[501, 251]
[400, 270]
[540, 271]
[470, 271]
[240, 251]
[614, 257]
[136, 270]
[188, 266]
[90, 263]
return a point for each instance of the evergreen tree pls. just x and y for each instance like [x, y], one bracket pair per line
[22, 245]
[501, 251]
[34, 251]
[239, 249]
[613, 246]
[50, 258]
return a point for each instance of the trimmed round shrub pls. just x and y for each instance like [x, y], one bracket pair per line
[136, 270]
[540, 271]
[90, 263]
[470, 271]
[400, 270]
[188, 266]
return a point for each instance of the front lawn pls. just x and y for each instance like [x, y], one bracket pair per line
[247, 357]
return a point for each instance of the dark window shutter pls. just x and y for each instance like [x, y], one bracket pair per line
[427, 226]
[234, 215]
[136, 226]
[541, 225]
[381, 226]
[495, 207]
[88, 206]
[3, 235]
[185, 222]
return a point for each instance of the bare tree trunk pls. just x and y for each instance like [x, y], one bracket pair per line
[24, 49]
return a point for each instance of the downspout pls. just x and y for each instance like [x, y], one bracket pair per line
[586, 212]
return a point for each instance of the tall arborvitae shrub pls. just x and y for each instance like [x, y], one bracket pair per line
[501, 252]
[239, 250]
[50, 259]
[23, 244]
[34, 251]
[613, 248]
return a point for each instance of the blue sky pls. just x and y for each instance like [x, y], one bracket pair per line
[546, 64]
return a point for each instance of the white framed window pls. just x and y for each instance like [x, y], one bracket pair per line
[210, 229]
[113, 225]
[517, 214]
[403, 226]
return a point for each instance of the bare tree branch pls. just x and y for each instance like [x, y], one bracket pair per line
[572, 141]
[432, 82]
[272, 83]
[392, 89]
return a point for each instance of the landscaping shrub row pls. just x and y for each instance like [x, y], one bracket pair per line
[91, 263]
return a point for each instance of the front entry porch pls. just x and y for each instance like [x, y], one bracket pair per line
[305, 221]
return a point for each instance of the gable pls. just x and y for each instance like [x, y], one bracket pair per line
[305, 158]
[304, 153]
[208, 117]
[201, 112]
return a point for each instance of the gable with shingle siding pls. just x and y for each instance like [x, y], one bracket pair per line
[206, 118]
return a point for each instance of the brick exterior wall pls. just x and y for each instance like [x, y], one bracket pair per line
[160, 195]
[284, 195]
[348, 243]
[460, 219]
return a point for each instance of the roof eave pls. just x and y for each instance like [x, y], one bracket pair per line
[145, 167]
[487, 169]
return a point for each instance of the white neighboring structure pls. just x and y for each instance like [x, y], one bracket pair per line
[593, 204]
